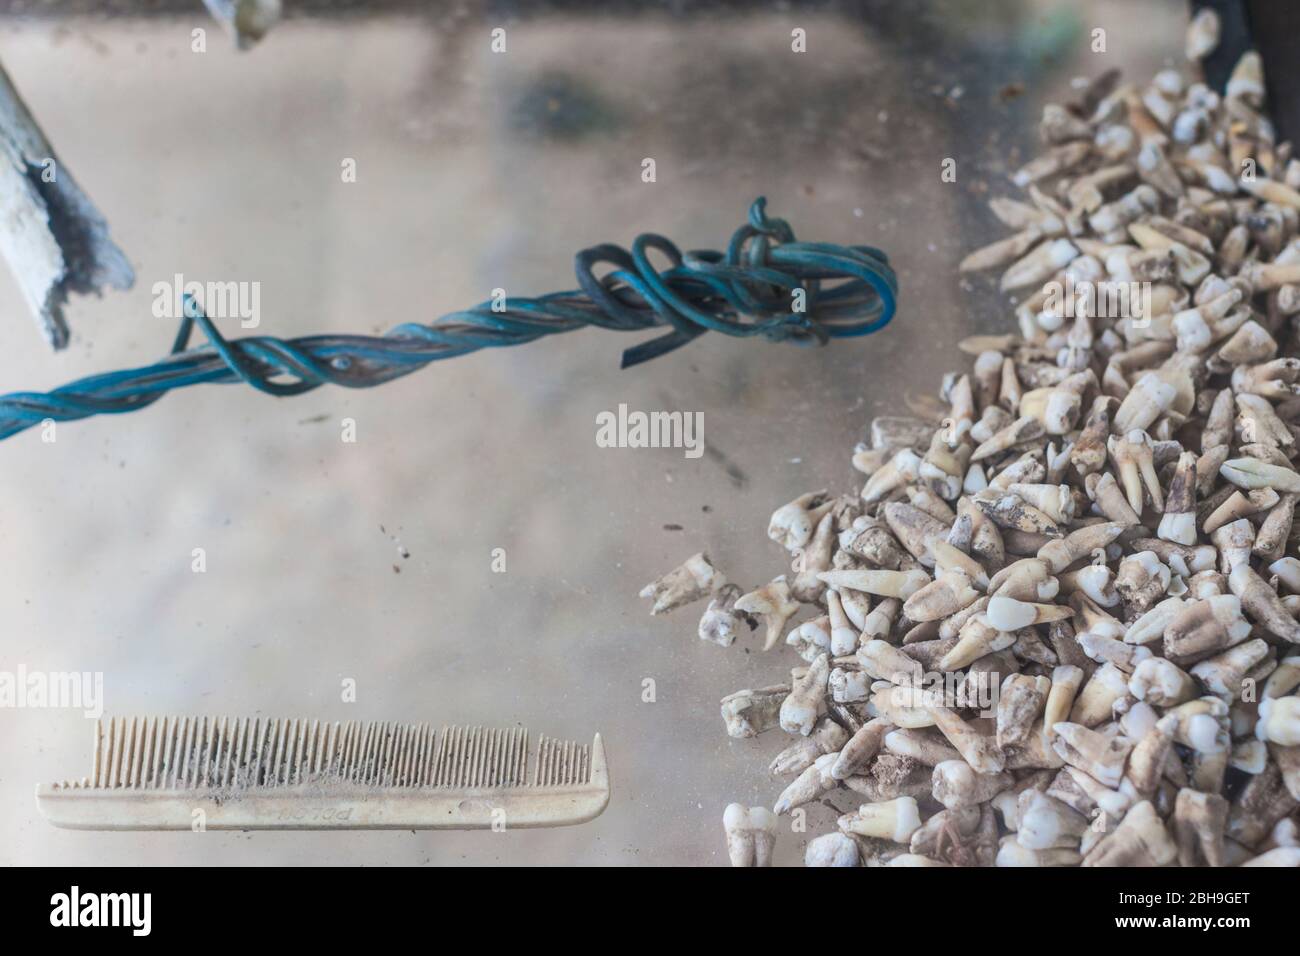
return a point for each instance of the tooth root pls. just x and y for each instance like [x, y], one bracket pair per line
[891, 584]
[1013, 512]
[915, 530]
[1199, 823]
[942, 598]
[833, 850]
[808, 786]
[1279, 721]
[748, 713]
[1100, 757]
[1021, 430]
[1152, 482]
[694, 579]
[894, 820]
[774, 605]
[1009, 614]
[1019, 704]
[1131, 480]
[751, 834]
[861, 748]
[800, 710]
[979, 751]
[1140, 840]
[1262, 603]
[977, 639]
[792, 524]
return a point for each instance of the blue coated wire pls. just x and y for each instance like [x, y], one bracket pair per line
[749, 290]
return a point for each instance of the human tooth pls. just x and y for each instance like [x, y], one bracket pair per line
[792, 524]
[827, 737]
[1100, 757]
[800, 710]
[692, 580]
[808, 786]
[1279, 721]
[892, 584]
[894, 820]
[773, 604]
[831, 849]
[748, 713]
[751, 835]
[721, 623]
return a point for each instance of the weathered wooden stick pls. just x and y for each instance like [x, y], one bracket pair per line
[54, 239]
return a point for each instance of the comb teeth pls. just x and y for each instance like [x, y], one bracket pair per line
[168, 753]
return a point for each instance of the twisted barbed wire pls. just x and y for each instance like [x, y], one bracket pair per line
[753, 289]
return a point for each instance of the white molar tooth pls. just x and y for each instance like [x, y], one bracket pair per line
[849, 687]
[1012, 854]
[957, 785]
[721, 622]
[799, 711]
[751, 834]
[1249, 756]
[1279, 721]
[1142, 579]
[792, 524]
[1139, 720]
[1161, 682]
[890, 584]
[831, 849]
[1098, 582]
[690, 581]
[894, 820]
[1047, 824]
[811, 638]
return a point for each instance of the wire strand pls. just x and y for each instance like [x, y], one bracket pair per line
[767, 284]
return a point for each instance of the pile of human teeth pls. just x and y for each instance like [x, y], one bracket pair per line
[1058, 627]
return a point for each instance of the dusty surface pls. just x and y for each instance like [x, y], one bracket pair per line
[476, 171]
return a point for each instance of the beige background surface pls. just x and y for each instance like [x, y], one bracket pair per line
[226, 166]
